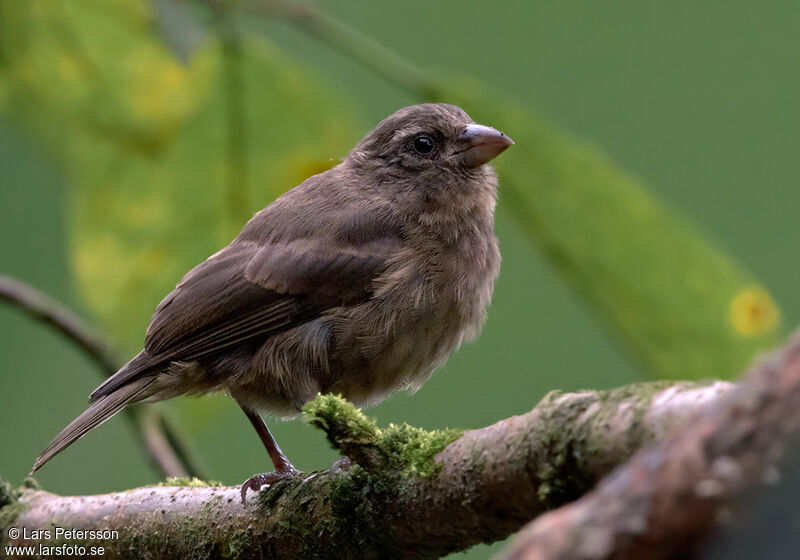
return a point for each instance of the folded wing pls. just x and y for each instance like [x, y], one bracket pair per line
[247, 292]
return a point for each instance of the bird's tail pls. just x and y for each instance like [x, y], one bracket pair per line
[97, 413]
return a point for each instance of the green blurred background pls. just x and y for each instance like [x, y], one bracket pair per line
[698, 100]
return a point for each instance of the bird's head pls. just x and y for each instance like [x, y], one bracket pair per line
[432, 143]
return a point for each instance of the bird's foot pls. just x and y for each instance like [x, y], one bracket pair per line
[342, 464]
[258, 481]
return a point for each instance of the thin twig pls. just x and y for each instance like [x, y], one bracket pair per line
[235, 117]
[350, 42]
[164, 444]
[156, 437]
[53, 314]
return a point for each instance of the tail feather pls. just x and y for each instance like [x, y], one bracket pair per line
[97, 413]
[137, 367]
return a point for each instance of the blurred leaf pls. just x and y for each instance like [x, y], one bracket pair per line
[166, 161]
[179, 28]
[93, 65]
[683, 307]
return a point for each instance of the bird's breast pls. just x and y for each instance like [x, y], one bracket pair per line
[429, 301]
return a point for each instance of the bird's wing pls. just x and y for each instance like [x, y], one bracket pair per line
[247, 291]
[215, 305]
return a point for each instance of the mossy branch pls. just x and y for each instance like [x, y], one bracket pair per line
[408, 493]
[693, 492]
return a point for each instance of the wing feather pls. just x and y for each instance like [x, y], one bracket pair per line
[247, 292]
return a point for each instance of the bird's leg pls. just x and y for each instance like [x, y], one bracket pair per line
[283, 468]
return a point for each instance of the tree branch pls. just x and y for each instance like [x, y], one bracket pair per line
[371, 54]
[668, 499]
[164, 450]
[235, 141]
[423, 493]
[51, 313]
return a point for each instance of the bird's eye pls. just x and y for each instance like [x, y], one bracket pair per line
[423, 145]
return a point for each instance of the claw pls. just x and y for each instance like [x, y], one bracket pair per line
[258, 481]
[342, 464]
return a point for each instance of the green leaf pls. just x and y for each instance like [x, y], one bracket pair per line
[680, 304]
[179, 28]
[166, 161]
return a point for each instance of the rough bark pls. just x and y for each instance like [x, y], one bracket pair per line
[669, 499]
[410, 493]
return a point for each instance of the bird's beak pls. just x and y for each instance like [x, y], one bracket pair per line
[482, 144]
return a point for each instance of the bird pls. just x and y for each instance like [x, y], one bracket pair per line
[360, 281]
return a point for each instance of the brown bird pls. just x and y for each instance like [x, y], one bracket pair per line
[361, 281]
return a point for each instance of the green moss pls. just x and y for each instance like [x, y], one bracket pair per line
[550, 397]
[192, 533]
[7, 494]
[406, 449]
[355, 498]
[238, 543]
[346, 492]
[341, 420]
[559, 434]
[193, 482]
[576, 446]
[31, 483]
[141, 536]
[640, 391]
[414, 449]
[195, 535]
[10, 507]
